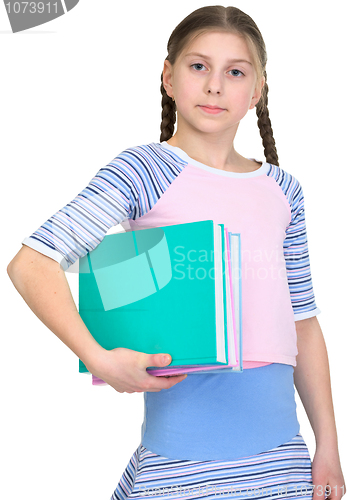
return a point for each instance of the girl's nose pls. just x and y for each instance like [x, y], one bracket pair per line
[213, 84]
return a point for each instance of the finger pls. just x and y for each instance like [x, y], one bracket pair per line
[167, 383]
[162, 359]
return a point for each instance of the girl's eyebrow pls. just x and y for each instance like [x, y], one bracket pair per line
[206, 57]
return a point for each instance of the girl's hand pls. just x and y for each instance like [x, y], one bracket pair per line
[327, 476]
[125, 370]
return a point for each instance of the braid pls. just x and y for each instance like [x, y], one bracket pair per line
[265, 129]
[168, 115]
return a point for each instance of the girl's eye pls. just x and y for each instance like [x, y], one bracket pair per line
[198, 64]
[237, 70]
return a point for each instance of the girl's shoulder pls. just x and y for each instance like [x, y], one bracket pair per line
[291, 189]
[288, 183]
[282, 176]
[145, 157]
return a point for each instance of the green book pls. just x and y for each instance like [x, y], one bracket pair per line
[158, 290]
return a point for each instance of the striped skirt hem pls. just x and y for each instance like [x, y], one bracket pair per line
[282, 472]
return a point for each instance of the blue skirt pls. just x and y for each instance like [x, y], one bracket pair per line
[281, 472]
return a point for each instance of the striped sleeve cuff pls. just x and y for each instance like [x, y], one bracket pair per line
[46, 250]
[307, 314]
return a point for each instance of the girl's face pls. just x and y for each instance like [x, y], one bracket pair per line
[215, 70]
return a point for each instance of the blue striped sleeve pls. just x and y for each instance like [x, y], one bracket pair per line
[296, 255]
[77, 228]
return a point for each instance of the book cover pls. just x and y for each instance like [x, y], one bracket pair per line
[144, 290]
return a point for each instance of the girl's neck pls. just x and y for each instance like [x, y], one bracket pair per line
[217, 155]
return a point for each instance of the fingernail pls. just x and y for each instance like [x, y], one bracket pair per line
[165, 359]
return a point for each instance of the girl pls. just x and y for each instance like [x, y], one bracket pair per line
[215, 433]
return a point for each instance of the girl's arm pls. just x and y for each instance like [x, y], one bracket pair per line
[312, 381]
[43, 285]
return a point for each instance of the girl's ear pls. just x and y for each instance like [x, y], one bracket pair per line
[167, 78]
[257, 93]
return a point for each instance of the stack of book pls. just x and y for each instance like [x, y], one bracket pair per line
[172, 289]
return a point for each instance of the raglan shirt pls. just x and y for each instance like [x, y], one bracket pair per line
[210, 416]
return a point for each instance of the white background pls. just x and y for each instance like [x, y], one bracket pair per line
[77, 91]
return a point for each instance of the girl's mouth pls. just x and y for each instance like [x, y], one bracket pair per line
[213, 111]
